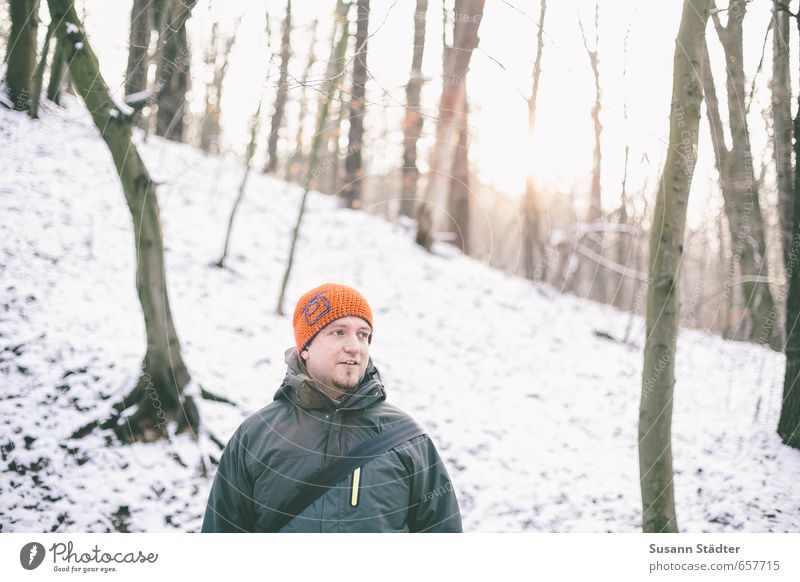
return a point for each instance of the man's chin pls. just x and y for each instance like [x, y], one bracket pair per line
[344, 386]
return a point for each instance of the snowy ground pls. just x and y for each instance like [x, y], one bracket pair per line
[534, 411]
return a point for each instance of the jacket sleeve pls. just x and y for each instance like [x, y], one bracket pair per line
[230, 504]
[434, 507]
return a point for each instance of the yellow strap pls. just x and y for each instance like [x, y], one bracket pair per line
[354, 491]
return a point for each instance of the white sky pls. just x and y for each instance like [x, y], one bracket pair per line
[498, 83]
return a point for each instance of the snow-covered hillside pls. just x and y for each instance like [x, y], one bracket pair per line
[531, 396]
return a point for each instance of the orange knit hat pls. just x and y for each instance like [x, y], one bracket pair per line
[325, 304]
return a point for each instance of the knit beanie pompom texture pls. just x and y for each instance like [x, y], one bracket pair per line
[325, 304]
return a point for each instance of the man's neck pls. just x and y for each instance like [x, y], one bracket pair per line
[333, 393]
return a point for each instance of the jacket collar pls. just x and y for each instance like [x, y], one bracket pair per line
[298, 387]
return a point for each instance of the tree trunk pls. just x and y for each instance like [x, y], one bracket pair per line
[39, 75]
[738, 184]
[283, 91]
[174, 83]
[335, 68]
[217, 58]
[251, 149]
[666, 250]
[333, 134]
[595, 271]
[158, 393]
[58, 71]
[465, 39]
[531, 235]
[331, 131]
[782, 120]
[21, 52]
[789, 422]
[138, 44]
[458, 202]
[296, 160]
[412, 124]
[352, 192]
[624, 246]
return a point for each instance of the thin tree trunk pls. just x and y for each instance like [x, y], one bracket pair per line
[39, 77]
[296, 160]
[217, 59]
[159, 390]
[283, 91]
[171, 97]
[335, 68]
[782, 120]
[341, 9]
[138, 44]
[738, 184]
[597, 274]
[251, 149]
[724, 308]
[352, 192]
[623, 240]
[531, 235]
[465, 39]
[334, 133]
[458, 203]
[170, 16]
[21, 52]
[412, 124]
[58, 72]
[789, 421]
[666, 249]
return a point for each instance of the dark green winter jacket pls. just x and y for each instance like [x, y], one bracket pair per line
[272, 451]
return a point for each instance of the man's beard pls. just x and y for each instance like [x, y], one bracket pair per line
[344, 387]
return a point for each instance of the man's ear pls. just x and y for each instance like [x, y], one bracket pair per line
[304, 354]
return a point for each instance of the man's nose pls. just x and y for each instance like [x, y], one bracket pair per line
[351, 345]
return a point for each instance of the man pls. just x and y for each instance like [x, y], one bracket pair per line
[331, 401]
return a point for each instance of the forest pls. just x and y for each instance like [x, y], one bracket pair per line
[577, 225]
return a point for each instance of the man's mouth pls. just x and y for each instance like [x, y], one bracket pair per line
[349, 363]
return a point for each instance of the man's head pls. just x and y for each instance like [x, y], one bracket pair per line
[333, 332]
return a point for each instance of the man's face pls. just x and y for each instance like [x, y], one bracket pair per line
[337, 356]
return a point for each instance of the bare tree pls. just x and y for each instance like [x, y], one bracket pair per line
[666, 250]
[138, 45]
[282, 93]
[531, 235]
[782, 121]
[596, 241]
[164, 374]
[738, 183]
[21, 52]
[174, 82]
[58, 73]
[251, 149]
[789, 421]
[335, 69]
[39, 74]
[217, 58]
[412, 124]
[297, 156]
[458, 200]
[353, 164]
[453, 96]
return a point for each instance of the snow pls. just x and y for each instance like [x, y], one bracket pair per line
[123, 107]
[72, 28]
[532, 406]
[137, 97]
